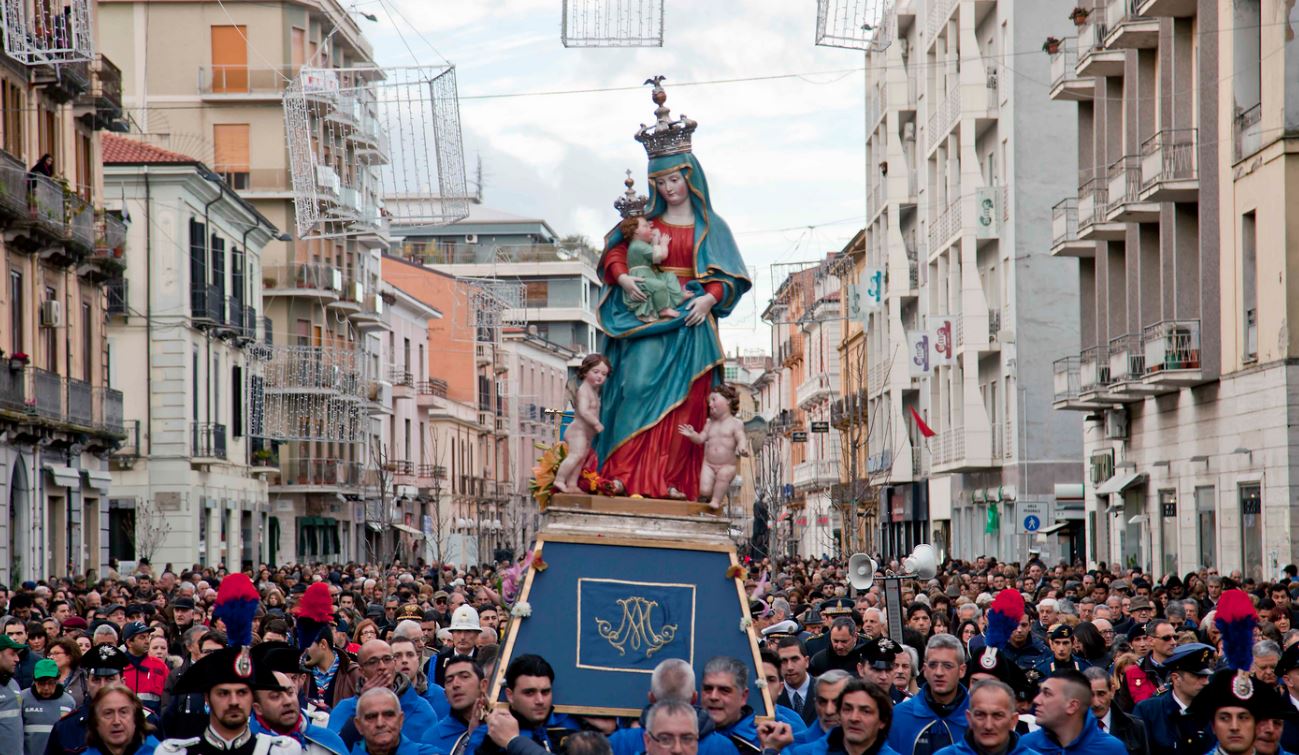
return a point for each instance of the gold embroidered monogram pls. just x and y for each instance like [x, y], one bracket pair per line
[636, 630]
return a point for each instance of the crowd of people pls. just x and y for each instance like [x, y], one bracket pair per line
[989, 659]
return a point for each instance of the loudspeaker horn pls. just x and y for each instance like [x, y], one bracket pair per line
[922, 563]
[861, 571]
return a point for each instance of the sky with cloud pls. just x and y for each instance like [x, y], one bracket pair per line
[781, 154]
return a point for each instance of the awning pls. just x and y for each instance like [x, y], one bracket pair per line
[1059, 525]
[1120, 482]
[1068, 491]
[97, 480]
[65, 477]
[409, 530]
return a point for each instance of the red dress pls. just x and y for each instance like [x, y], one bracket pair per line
[659, 458]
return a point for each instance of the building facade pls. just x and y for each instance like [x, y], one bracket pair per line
[209, 80]
[963, 155]
[1180, 228]
[60, 415]
[190, 484]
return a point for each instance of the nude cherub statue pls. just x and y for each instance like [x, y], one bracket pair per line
[591, 374]
[646, 250]
[723, 441]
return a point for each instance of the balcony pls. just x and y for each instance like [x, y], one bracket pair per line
[1247, 128]
[791, 350]
[1126, 204]
[849, 410]
[913, 268]
[403, 383]
[816, 474]
[1172, 354]
[1127, 369]
[1169, 167]
[104, 100]
[317, 475]
[244, 82]
[206, 305]
[33, 392]
[108, 412]
[118, 297]
[370, 316]
[80, 225]
[1128, 28]
[329, 186]
[944, 116]
[207, 443]
[80, 403]
[351, 299]
[1093, 373]
[430, 393]
[312, 280]
[949, 448]
[1167, 8]
[1093, 57]
[126, 453]
[63, 82]
[45, 207]
[400, 471]
[944, 226]
[817, 388]
[247, 332]
[108, 260]
[1064, 231]
[1066, 84]
[1093, 210]
[256, 183]
[231, 321]
[13, 189]
[1066, 383]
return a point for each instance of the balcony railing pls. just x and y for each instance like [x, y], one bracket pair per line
[1172, 345]
[46, 203]
[306, 277]
[950, 446]
[80, 216]
[130, 446]
[1124, 182]
[1127, 358]
[207, 440]
[1064, 221]
[205, 303]
[945, 114]
[399, 467]
[1167, 157]
[1093, 369]
[233, 80]
[944, 225]
[400, 376]
[1247, 128]
[81, 403]
[1066, 379]
[487, 254]
[434, 387]
[118, 290]
[108, 411]
[320, 472]
[1065, 82]
[1093, 201]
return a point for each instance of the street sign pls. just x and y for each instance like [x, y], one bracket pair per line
[798, 436]
[1031, 515]
[821, 427]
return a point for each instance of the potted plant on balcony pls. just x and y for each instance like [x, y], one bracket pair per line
[1079, 15]
[263, 457]
[1051, 46]
[18, 360]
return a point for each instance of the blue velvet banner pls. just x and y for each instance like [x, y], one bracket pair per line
[605, 615]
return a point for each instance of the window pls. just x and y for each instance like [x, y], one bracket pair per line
[1251, 530]
[16, 311]
[87, 342]
[1249, 284]
[1168, 529]
[229, 59]
[11, 122]
[536, 293]
[230, 154]
[1206, 526]
[299, 45]
[51, 335]
[237, 402]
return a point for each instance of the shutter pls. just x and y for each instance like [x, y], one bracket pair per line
[229, 59]
[237, 402]
[219, 270]
[230, 149]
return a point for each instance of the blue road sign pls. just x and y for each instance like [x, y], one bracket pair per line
[1032, 523]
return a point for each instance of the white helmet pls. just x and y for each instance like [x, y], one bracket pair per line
[465, 617]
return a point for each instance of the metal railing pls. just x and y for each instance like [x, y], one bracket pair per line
[13, 388]
[236, 79]
[950, 446]
[1064, 221]
[110, 235]
[1172, 345]
[1125, 181]
[81, 403]
[402, 467]
[938, 13]
[1127, 358]
[1247, 130]
[207, 440]
[400, 376]
[46, 202]
[486, 254]
[1064, 63]
[432, 387]
[80, 216]
[1169, 155]
[130, 447]
[320, 472]
[47, 389]
[108, 412]
[1066, 378]
[945, 114]
[1093, 369]
[1093, 201]
[118, 290]
[994, 324]
[304, 276]
[205, 304]
[13, 187]
[945, 224]
[267, 331]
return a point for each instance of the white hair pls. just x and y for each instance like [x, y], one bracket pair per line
[409, 630]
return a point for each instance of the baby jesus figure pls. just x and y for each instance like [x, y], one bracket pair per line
[723, 441]
[646, 250]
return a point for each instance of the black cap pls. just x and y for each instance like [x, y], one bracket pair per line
[183, 603]
[132, 629]
[1062, 631]
[104, 660]
[277, 656]
[989, 660]
[1289, 660]
[231, 665]
[878, 653]
[1237, 689]
[1136, 632]
[1193, 657]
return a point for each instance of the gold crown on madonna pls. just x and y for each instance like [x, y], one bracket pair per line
[665, 136]
[631, 204]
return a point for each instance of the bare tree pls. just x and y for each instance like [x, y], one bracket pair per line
[439, 525]
[769, 477]
[383, 473]
[151, 528]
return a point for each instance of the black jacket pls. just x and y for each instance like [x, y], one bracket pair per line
[808, 712]
[1130, 731]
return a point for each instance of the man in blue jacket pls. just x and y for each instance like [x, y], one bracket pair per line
[466, 687]
[673, 680]
[725, 698]
[992, 717]
[865, 715]
[380, 723]
[528, 724]
[1170, 728]
[1065, 717]
[379, 669]
[826, 690]
[935, 717]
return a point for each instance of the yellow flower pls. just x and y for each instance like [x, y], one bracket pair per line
[736, 572]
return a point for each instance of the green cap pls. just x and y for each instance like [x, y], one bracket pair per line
[46, 669]
[7, 643]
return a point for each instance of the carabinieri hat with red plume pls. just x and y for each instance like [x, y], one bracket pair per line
[236, 605]
[1234, 687]
[313, 615]
[1004, 615]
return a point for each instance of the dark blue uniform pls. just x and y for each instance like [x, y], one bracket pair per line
[1049, 665]
[1172, 731]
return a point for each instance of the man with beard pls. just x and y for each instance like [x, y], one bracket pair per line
[227, 680]
[673, 681]
[279, 711]
[530, 716]
[992, 720]
[379, 670]
[935, 716]
[466, 687]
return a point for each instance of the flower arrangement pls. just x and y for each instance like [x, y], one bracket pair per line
[511, 579]
[542, 484]
[521, 610]
[592, 482]
[745, 623]
[1051, 46]
[737, 572]
[1079, 15]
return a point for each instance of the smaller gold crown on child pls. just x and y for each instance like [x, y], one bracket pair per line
[665, 136]
[631, 204]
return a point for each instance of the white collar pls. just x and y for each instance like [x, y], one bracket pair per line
[1180, 705]
[802, 691]
[1108, 720]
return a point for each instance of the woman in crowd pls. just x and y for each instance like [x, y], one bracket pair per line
[66, 654]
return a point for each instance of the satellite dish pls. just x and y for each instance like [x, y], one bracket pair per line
[861, 571]
[922, 563]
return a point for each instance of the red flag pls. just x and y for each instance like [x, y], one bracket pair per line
[924, 429]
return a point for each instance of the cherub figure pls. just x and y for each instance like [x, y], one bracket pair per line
[723, 441]
[646, 250]
[591, 375]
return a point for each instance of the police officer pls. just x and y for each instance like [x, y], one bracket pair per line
[1233, 703]
[875, 662]
[1287, 670]
[1062, 656]
[829, 610]
[103, 665]
[227, 680]
[1171, 728]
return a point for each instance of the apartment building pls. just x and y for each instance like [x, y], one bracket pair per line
[468, 429]
[800, 461]
[561, 288]
[190, 483]
[1177, 227]
[208, 79]
[400, 520]
[964, 159]
[60, 415]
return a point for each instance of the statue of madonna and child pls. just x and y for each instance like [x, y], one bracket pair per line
[651, 412]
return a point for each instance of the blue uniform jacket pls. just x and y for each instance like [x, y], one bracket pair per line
[746, 729]
[811, 734]
[632, 741]
[922, 727]
[420, 720]
[832, 744]
[1048, 665]
[966, 747]
[448, 731]
[436, 697]
[146, 748]
[306, 732]
[1092, 741]
[529, 739]
[407, 747]
[1169, 730]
